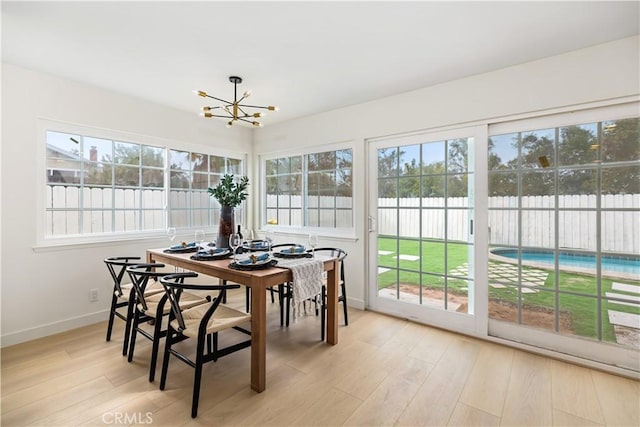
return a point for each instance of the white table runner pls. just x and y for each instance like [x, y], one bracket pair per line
[307, 278]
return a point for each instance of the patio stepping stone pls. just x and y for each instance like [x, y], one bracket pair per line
[629, 320]
[634, 289]
[634, 301]
[384, 252]
[407, 257]
[383, 270]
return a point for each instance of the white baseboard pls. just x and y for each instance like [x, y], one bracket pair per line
[52, 328]
[355, 303]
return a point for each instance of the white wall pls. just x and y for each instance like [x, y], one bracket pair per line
[599, 73]
[46, 290]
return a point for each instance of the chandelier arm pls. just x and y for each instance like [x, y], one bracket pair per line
[218, 99]
[244, 112]
[224, 117]
[245, 120]
[252, 106]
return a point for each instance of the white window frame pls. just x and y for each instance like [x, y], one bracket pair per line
[44, 242]
[343, 232]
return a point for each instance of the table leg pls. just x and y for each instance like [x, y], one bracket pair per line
[332, 304]
[258, 339]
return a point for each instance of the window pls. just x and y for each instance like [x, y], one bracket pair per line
[310, 190]
[191, 174]
[564, 215]
[100, 186]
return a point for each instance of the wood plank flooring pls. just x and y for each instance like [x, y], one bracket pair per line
[384, 372]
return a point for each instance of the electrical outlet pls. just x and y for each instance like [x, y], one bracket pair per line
[93, 295]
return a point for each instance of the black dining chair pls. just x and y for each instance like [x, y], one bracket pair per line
[340, 254]
[122, 296]
[202, 323]
[152, 309]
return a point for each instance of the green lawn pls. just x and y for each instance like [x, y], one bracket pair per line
[581, 309]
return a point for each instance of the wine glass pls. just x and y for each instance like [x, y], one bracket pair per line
[313, 242]
[268, 239]
[199, 236]
[171, 233]
[234, 242]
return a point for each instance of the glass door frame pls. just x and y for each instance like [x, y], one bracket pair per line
[472, 324]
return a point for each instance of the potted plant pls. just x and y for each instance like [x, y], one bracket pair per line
[229, 193]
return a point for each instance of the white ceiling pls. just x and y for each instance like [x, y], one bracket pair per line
[305, 57]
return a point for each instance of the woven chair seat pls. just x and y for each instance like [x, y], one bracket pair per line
[152, 289]
[187, 300]
[223, 318]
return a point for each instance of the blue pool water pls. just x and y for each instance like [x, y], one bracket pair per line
[622, 264]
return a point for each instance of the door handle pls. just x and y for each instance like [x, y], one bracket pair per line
[372, 224]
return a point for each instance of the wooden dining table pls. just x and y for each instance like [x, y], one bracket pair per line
[258, 281]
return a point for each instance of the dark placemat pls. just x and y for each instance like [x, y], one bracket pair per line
[250, 267]
[214, 257]
[181, 251]
[294, 255]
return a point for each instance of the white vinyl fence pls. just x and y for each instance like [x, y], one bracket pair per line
[107, 210]
[576, 227]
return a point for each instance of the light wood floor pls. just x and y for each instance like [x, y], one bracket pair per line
[385, 371]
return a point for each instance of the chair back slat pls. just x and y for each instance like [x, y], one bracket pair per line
[117, 267]
[140, 275]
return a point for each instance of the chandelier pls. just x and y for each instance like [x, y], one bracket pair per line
[234, 110]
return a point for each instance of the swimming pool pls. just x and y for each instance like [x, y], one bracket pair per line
[629, 264]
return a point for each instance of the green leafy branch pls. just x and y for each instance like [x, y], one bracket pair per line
[230, 193]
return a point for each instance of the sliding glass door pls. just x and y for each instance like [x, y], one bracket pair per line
[422, 227]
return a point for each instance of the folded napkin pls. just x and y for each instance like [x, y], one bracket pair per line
[259, 258]
[296, 250]
[189, 245]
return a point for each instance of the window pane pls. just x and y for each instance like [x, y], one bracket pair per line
[284, 165]
[127, 154]
[234, 166]
[503, 152]
[271, 167]
[153, 156]
[63, 145]
[621, 180]
[577, 181]
[322, 161]
[199, 162]
[126, 176]
[538, 183]
[410, 160]
[387, 162]
[99, 174]
[179, 180]
[344, 158]
[457, 155]
[179, 160]
[63, 171]
[537, 149]
[620, 140]
[98, 150]
[200, 181]
[152, 178]
[503, 185]
[578, 144]
[216, 164]
[433, 157]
